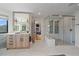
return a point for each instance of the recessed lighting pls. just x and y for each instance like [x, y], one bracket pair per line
[39, 13]
[60, 15]
[48, 25]
[36, 22]
[77, 4]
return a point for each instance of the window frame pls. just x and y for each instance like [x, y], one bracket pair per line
[6, 26]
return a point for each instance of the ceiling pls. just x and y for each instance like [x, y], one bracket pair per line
[45, 9]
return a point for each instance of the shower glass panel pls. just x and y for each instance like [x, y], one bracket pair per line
[56, 29]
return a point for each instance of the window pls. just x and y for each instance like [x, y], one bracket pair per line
[23, 27]
[3, 25]
[51, 26]
[56, 26]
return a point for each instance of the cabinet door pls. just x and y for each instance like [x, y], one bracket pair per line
[24, 40]
[27, 41]
[23, 43]
[18, 41]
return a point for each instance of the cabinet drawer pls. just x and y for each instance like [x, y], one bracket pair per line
[10, 46]
[10, 38]
[10, 43]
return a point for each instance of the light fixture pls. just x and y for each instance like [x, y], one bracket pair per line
[36, 22]
[77, 4]
[60, 16]
[39, 13]
[48, 25]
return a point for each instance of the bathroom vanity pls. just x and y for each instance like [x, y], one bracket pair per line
[17, 40]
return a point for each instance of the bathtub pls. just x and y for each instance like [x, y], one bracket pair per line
[50, 42]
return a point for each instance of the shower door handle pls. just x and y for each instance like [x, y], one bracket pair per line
[70, 30]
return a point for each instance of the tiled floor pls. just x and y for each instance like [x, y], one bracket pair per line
[40, 48]
[61, 42]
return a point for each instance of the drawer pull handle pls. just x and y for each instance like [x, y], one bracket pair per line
[10, 44]
[10, 40]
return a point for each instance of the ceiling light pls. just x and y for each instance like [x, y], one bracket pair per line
[77, 4]
[36, 22]
[60, 15]
[38, 13]
[48, 25]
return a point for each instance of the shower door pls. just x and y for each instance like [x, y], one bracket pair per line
[68, 30]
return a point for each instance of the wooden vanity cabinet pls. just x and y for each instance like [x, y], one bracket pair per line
[17, 41]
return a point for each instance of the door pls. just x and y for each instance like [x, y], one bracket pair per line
[18, 40]
[68, 30]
